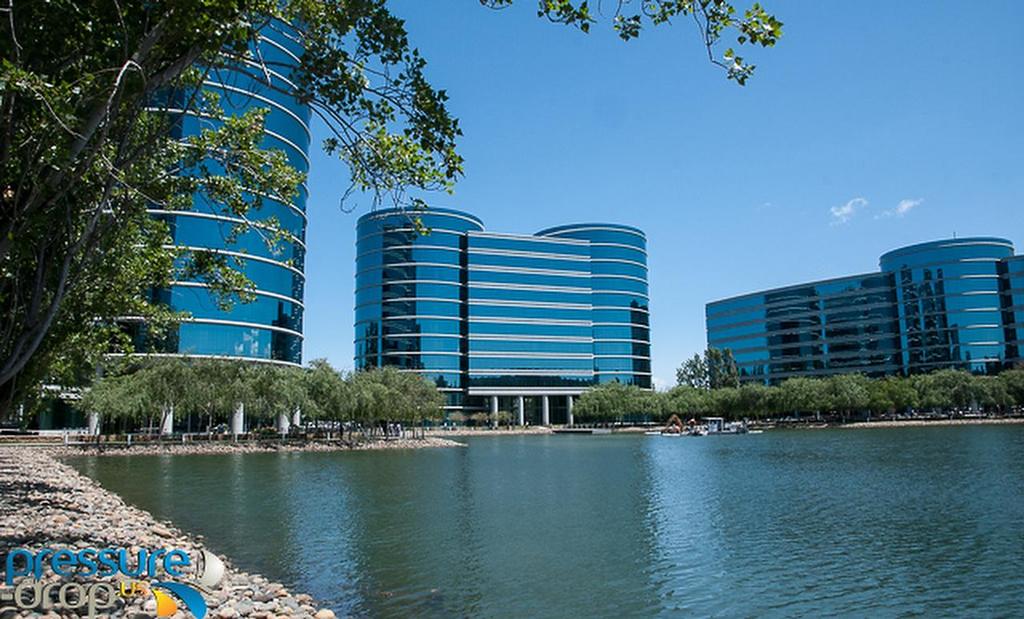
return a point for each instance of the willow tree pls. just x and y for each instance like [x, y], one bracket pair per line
[388, 394]
[270, 391]
[686, 400]
[117, 398]
[156, 389]
[1014, 381]
[612, 401]
[327, 393]
[91, 90]
[218, 387]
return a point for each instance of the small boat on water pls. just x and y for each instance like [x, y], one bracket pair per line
[718, 425]
[711, 426]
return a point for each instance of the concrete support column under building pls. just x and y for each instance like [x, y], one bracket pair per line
[568, 411]
[494, 410]
[238, 419]
[283, 423]
[520, 411]
[167, 420]
[94, 423]
[545, 411]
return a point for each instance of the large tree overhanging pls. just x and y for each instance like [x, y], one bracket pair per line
[89, 91]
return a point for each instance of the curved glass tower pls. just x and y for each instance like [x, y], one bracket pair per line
[489, 315]
[621, 327]
[1013, 308]
[269, 328]
[943, 304]
[410, 294]
[949, 305]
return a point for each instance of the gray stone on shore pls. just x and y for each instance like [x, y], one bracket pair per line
[229, 447]
[46, 503]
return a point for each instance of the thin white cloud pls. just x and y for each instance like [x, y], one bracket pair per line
[845, 212]
[905, 206]
[902, 208]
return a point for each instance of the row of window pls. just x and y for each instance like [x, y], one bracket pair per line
[200, 303]
[453, 344]
[267, 277]
[453, 326]
[279, 121]
[484, 241]
[967, 297]
[194, 338]
[455, 380]
[981, 318]
[807, 293]
[856, 312]
[915, 355]
[378, 240]
[195, 231]
[599, 233]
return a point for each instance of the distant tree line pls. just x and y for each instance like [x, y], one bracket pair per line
[206, 392]
[854, 395]
[709, 386]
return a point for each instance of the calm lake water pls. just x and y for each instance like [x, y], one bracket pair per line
[916, 521]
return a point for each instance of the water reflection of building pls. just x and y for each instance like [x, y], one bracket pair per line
[534, 319]
[956, 303]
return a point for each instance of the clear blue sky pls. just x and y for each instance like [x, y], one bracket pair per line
[862, 107]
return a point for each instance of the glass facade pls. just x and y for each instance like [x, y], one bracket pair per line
[269, 328]
[410, 295]
[1013, 308]
[482, 313]
[618, 280]
[948, 299]
[944, 304]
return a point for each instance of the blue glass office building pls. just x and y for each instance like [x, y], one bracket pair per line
[1013, 308]
[955, 303]
[488, 315]
[269, 328]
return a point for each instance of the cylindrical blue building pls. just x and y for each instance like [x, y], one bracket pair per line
[409, 293]
[948, 302]
[270, 327]
[621, 322]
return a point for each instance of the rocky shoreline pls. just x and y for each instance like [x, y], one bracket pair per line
[228, 447]
[919, 423]
[46, 503]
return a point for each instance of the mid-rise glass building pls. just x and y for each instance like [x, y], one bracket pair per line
[1013, 308]
[955, 303]
[270, 327]
[520, 322]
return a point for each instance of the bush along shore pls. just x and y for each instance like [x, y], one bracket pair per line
[47, 504]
